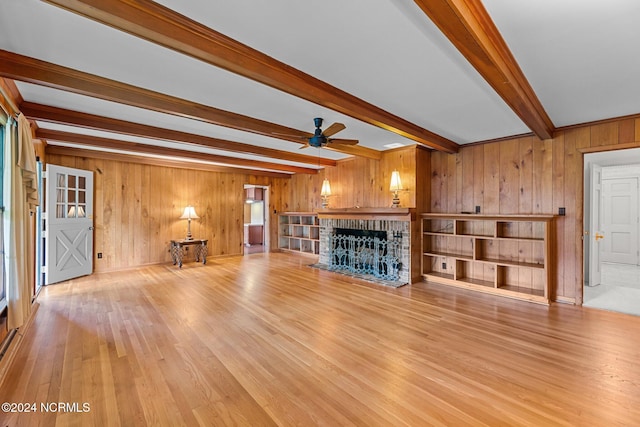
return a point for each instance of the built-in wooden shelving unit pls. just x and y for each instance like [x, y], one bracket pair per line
[299, 232]
[506, 255]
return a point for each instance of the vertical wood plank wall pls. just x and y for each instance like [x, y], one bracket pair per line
[524, 175]
[137, 209]
[423, 201]
[137, 206]
[357, 182]
[527, 175]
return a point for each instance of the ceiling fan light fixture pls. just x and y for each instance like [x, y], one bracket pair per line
[321, 138]
[317, 140]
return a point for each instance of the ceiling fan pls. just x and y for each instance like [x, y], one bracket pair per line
[321, 138]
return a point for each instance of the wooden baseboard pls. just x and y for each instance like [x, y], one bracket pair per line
[7, 360]
[565, 300]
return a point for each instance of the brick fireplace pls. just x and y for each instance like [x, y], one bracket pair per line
[394, 223]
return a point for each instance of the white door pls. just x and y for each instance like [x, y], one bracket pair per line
[595, 227]
[68, 224]
[620, 220]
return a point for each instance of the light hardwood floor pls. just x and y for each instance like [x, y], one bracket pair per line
[266, 340]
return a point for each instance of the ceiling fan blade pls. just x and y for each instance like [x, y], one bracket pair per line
[333, 129]
[355, 150]
[304, 146]
[289, 135]
[338, 141]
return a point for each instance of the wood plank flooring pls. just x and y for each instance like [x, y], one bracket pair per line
[265, 340]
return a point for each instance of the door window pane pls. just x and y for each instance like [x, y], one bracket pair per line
[60, 196]
[60, 203]
[71, 196]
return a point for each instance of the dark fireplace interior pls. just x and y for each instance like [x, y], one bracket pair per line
[382, 235]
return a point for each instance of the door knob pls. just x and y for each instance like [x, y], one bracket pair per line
[599, 236]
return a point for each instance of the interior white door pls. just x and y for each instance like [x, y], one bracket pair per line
[620, 220]
[595, 227]
[68, 224]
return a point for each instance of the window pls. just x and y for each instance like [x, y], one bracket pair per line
[3, 284]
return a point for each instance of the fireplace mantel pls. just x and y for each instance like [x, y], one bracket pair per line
[389, 214]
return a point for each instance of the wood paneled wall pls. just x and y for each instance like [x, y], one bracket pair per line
[137, 206]
[358, 182]
[423, 201]
[527, 175]
[137, 209]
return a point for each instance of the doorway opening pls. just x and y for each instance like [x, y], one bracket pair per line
[256, 220]
[612, 230]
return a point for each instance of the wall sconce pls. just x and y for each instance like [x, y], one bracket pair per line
[325, 193]
[188, 214]
[395, 187]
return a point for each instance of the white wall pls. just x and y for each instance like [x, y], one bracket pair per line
[257, 212]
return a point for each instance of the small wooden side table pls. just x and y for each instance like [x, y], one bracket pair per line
[200, 249]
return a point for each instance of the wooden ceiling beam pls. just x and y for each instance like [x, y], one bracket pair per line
[31, 70]
[154, 161]
[467, 24]
[137, 148]
[89, 121]
[10, 97]
[165, 27]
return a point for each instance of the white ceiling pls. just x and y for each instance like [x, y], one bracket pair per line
[580, 57]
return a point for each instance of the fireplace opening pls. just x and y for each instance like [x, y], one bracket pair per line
[366, 252]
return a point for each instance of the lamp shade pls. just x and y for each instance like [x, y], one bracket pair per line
[326, 188]
[189, 213]
[396, 184]
[76, 212]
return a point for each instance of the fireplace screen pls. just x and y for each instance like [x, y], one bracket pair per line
[366, 253]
